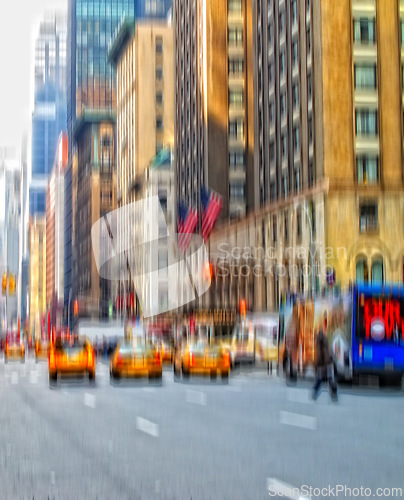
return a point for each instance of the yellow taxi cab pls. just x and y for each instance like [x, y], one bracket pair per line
[166, 349]
[71, 356]
[197, 357]
[136, 358]
[14, 349]
[41, 350]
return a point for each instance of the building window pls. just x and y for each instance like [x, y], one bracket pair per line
[159, 45]
[235, 6]
[159, 98]
[270, 72]
[271, 113]
[285, 186]
[294, 12]
[159, 73]
[308, 41]
[159, 124]
[270, 33]
[299, 224]
[236, 98]
[281, 22]
[377, 271]
[368, 169]
[283, 105]
[295, 92]
[309, 86]
[272, 151]
[282, 65]
[236, 66]
[235, 36]
[366, 122]
[368, 217]
[295, 53]
[311, 130]
[296, 138]
[286, 226]
[297, 180]
[284, 146]
[313, 218]
[159, 147]
[274, 229]
[272, 191]
[364, 30]
[365, 76]
[236, 129]
[237, 191]
[311, 173]
[236, 159]
[362, 272]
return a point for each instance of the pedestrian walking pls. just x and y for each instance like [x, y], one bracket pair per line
[325, 368]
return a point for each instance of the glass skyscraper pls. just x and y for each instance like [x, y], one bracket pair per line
[50, 113]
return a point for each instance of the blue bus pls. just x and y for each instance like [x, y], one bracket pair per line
[378, 331]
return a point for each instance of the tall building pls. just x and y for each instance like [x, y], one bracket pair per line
[55, 228]
[92, 80]
[23, 277]
[214, 121]
[50, 113]
[94, 196]
[329, 152]
[10, 214]
[37, 274]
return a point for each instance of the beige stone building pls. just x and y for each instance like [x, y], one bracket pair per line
[331, 164]
[37, 273]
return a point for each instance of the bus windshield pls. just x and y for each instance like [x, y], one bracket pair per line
[380, 318]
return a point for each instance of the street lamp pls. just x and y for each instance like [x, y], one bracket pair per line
[301, 201]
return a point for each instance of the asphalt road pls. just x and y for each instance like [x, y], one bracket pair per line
[250, 439]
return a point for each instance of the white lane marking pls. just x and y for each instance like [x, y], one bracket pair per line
[14, 378]
[196, 397]
[284, 490]
[33, 377]
[298, 396]
[233, 388]
[298, 420]
[89, 400]
[147, 426]
[52, 475]
[149, 389]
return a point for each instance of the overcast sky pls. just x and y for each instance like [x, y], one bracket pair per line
[19, 24]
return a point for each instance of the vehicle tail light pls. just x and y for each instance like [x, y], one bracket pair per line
[90, 359]
[52, 361]
[191, 359]
[119, 360]
[6, 347]
[158, 358]
[226, 359]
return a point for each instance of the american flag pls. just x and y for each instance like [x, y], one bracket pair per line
[211, 207]
[187, 221]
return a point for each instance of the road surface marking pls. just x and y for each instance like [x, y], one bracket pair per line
[149, 389]
[233, 388]
[89, 400]
[284, 490]
[298, 420]
[14, 378]
[146, 426]
[298, 396]
[196, 397]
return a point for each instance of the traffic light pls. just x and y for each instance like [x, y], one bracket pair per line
[76, 308]
[11, 284]
[4, 284]
[243, 307]
[110, 309]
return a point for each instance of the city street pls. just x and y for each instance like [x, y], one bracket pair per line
[196, 440]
